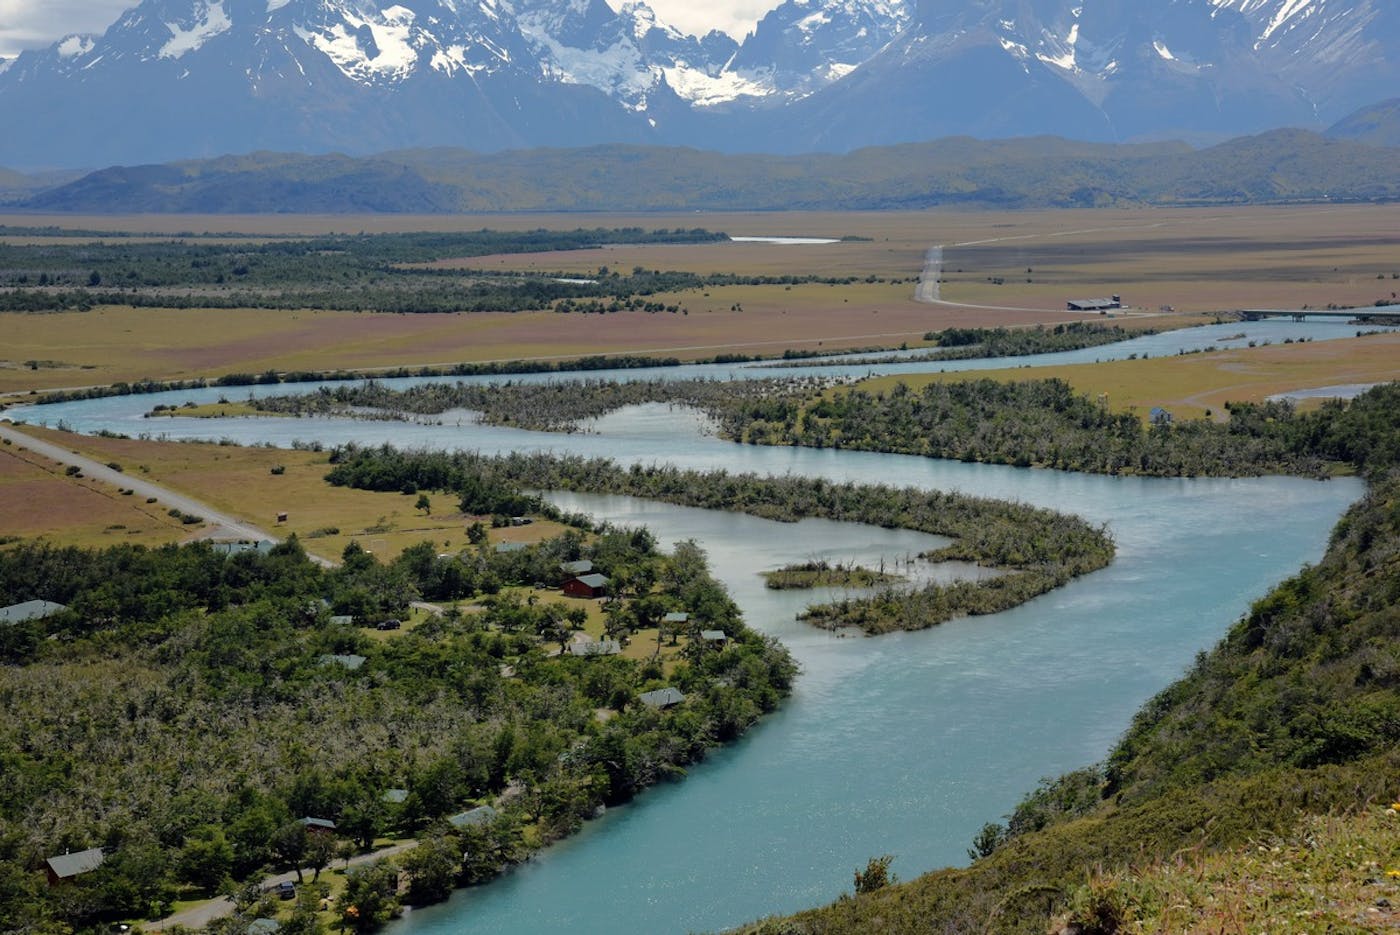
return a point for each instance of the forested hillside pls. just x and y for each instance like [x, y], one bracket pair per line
[188, 709]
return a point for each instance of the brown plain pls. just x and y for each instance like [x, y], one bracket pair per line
[240, 481]
[1190, 259]
[40, 502]
[1193, 384]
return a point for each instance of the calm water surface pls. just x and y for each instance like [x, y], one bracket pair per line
[903, 744]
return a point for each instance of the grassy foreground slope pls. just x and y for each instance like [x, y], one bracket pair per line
[1295, 714]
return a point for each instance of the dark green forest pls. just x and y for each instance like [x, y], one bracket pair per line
[188, 708]
[365, 272]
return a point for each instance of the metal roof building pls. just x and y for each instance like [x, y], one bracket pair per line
[29, 610]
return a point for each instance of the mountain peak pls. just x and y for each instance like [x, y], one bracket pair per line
[367, 75]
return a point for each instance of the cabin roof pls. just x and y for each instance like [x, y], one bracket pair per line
[70, 865]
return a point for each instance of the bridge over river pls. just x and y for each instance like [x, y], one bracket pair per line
[1387, 314]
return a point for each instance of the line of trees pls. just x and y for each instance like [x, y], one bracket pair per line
[1038, 549]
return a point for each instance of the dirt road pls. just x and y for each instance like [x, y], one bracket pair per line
[219, 525]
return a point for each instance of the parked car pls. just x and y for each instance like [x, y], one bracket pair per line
[286, 890]
[389, 624]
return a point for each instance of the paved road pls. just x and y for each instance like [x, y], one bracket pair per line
[200, 915]
[218, 524]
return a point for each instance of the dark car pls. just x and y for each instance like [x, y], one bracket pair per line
[286, 890]
[390, 624]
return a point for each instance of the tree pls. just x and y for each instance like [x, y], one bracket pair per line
[363, 820]
[289, 845]
[432, 869]
[305, 918]
[370, 897]
[423, 504]
[476, 533]
[206, 859]
[876, 875]
[986, 840]
[320, 851]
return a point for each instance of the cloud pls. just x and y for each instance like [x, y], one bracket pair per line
[32, 24]
[735, 17]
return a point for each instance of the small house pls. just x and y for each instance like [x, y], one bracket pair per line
[266, 926]
[394, 796]
[676, 618]
[29, 610]
[347, 660]
[573, 569]
[662, 698]
[715, 637]
[317, 825]
[503, 547]
[342, 620]
[65, 867]
[587, 647]
[1160, 416]
[593, 585]
[473, 818]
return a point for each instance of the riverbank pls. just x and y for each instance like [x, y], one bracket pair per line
[1291, 717]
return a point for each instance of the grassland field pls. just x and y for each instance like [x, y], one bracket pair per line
[240, 481]
[1193, 260]
[1192, 385]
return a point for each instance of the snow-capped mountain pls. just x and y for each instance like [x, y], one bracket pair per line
[1111, 70]
[179, 78]
[803, 46]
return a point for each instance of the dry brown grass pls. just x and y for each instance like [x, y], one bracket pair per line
[1191, 384]
[39, 501]
[1187, 258]
[240, 481]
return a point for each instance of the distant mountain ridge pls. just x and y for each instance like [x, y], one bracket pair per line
[1282, 166]
[1378, 124]
[189, 78]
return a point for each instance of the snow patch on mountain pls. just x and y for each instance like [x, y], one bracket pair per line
[73, 46]
[386, 47]
[618, 69]
[213, 20]
[704, 90]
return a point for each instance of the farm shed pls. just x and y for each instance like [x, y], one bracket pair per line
[1094, 305]
[593, 585]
